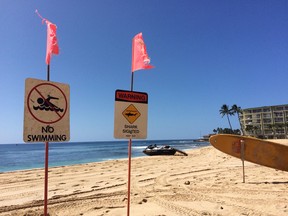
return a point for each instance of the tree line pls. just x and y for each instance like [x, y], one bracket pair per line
[225, 110]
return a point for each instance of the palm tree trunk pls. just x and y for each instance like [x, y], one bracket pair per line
[241, 125]
[229, 122]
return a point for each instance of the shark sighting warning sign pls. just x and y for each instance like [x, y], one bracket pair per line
[131, 113]
[130, 120]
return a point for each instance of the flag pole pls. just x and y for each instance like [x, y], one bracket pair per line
[48, 72]
[132, 80]
[130, 145]
[52, 48]
[140, 53]
[129, 176]
[46, 178]
[132, 74]
[129, 159]
[46, 161]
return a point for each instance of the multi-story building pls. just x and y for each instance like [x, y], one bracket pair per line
[268, 122]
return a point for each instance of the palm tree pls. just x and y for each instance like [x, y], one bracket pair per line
[226, 111]
[272, 128]
[250, 129]
[236, 109]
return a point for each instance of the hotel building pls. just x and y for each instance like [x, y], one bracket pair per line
[268, 122]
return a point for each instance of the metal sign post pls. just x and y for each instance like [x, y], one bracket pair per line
[130, 123]
[242, 142]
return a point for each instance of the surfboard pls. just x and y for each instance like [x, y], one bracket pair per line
[258, 151]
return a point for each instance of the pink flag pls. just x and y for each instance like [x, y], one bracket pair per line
[140, 58]
[52, 43]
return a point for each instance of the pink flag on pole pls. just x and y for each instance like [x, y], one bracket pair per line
[52, 43]
[140, 58]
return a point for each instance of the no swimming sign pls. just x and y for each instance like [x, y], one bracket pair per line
[46, 111]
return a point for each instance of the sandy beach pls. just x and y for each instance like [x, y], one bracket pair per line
[206, 182]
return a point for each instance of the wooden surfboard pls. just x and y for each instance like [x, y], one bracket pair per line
[257, 151]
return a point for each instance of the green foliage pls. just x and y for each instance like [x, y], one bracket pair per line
[225, 110]
[227, 131]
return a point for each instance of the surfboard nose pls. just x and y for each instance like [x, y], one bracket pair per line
[213, 139]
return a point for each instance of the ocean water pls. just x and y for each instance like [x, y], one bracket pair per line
[29, 156]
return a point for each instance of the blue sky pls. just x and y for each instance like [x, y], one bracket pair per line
[206, 54]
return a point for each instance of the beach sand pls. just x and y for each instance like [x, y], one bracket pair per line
[206, 182]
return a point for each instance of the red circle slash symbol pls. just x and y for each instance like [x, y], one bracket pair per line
[41, 106]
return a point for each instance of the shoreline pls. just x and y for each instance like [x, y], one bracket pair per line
[206, 182]
[53, 165]
[26, 157]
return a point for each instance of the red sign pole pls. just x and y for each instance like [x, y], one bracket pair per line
[129, 160]
[46, 178]
[46, 161]
[129, 176]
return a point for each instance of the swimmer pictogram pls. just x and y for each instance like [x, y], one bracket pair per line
[47, 105]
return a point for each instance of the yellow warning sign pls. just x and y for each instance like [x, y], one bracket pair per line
[131, 113]
[130, 118]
